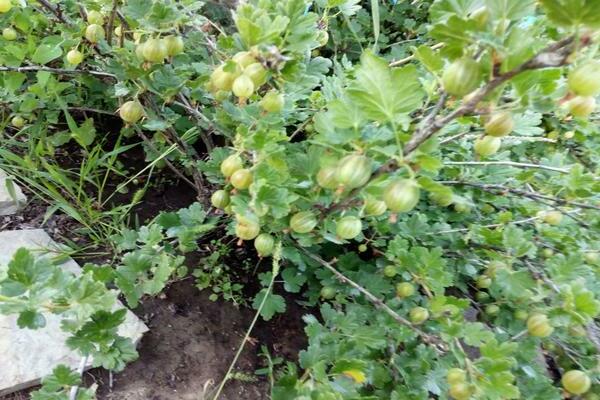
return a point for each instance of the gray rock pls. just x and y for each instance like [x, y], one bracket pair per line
[9, 204]
[27, 355]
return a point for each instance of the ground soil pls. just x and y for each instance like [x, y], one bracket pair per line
[191, 340]
[190, 345]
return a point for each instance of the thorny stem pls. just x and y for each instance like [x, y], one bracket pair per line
[494, 188]
[275, 272]
[111, 21]
[167, 162]
[54, 10]
[75, 389]
[437, 344]
[508, 163]
[35, 68]
[552, 56]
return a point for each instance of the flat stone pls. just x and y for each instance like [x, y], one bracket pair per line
[28, 355]
[9, 204]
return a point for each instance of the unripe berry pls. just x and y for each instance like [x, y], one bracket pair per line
[220, 199]
[174, 45]
[405, 289]
[576, 382]
[461, 77]
[303, 222]
[402, 195]
[272, 102]
[230, 165]
[390, 271]
[418, 315]
[581, 107]
[584, 80]
[131, 112]
[95, 17]
[539, 326]
[74, 57]
[264, 244]
[9, 34]
[487, 145]
[500, 124]
[241, 179]
[243, 86]
[155, 50]
[5, 6]
[456, 375]
[18, 121]
[94, 33]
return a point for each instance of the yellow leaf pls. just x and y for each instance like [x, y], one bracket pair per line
[356, 375]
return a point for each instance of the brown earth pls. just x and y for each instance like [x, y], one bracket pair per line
[192, 340]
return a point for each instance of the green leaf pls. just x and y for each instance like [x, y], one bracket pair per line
[293, 279]
[274, 304]
[514, 284]
[62, 376]
[573, 12]
[510, 9]
[430, 59]
[476, 334]
[519, 242]
[345, 114]
[31, 319]
[270, 199]
[457, 33]
[441, 10]
[383, 93]
[347, 7]
[46, 53]
[137, 9]
[376, 20]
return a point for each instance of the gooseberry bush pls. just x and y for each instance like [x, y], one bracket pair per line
[438, 200]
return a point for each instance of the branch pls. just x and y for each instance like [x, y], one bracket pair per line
[169, 164]
[54, 10]
[185, 104]
[592, 330]
[440, 347]
[111, 21]
[531, 195]
[92, 110]
[182, 144]
[469, 135]
[491, 226]
[554, 55]
[508, 163]
[80, 369]
[35, 68]
[412, 57]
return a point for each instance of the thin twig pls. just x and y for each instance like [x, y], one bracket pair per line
[54, 10]
[167, 162]
[532, 195]
[412, 57]
[35, 68]
[75, 389]
[490, 226]
[185, 103]
[182, 144]
[554, 55]
[508, 163]
[438, 345]
[468, 135]
[92, 110]
[111, 22]
[274, 273]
